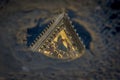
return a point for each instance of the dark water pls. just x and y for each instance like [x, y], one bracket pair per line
[35, 31]
[83, 33]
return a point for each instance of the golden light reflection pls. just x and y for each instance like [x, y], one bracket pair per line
[62, 47]
[65, 39]
[59, 40]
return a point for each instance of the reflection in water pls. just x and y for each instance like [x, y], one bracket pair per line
[84, 34]
[59, 40]
[62, 47]
[35, 31]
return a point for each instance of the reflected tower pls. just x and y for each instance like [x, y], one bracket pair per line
[59, 40]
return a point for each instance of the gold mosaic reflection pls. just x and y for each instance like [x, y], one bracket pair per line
[62, 47]
[59, 40]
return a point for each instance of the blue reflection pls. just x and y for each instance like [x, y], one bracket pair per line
[35, 31]
[83, 33]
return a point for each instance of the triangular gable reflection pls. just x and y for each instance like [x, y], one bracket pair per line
[59, 40]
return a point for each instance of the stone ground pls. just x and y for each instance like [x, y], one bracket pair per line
[96, 21]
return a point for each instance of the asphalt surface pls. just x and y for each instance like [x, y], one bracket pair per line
[96, 21]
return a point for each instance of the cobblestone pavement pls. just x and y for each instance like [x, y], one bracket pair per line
[96, 21]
